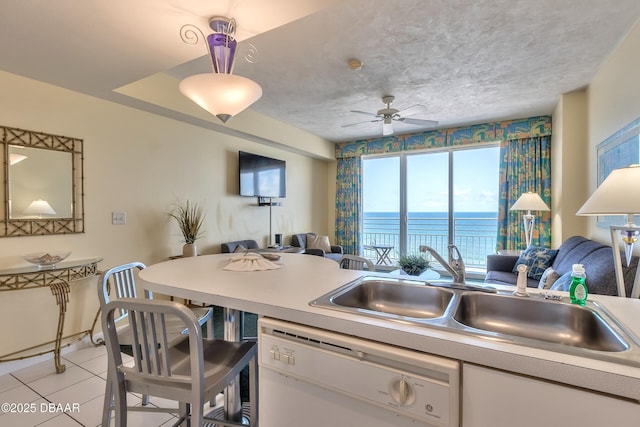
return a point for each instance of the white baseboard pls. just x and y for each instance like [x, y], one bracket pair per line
[12, 366]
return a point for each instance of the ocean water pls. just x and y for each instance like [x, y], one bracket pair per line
[475, 232]
[475, 223]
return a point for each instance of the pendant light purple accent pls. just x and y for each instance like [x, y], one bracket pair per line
[223, 50]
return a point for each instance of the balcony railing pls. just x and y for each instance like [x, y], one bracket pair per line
[475, 237]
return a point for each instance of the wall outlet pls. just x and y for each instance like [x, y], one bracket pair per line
[118, 218]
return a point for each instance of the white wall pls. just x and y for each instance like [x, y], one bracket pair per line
[614, 101]
[141, 163]
[569, 147]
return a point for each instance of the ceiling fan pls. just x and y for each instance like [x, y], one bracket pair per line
[388, 115]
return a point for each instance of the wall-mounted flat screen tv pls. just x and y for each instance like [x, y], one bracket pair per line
[262, 176]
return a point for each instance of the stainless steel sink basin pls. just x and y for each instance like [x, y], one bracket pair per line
[399, 298]
[499, 316]
[537, 319]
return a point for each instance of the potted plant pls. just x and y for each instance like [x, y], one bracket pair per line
[190, 218]
[414, 265]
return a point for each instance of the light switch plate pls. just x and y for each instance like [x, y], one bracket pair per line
[118, 218]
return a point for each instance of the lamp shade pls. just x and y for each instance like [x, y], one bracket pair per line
[15, 158]
[619, 194]
[39, 207]
[529, 202]
[223, 95]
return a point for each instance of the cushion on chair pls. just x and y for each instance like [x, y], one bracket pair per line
[563, 283]
[598, 262]
[335, 256]
[537, 259]
[300, 240]
[507, 278]
[549, 277]
[318, 242]
[230, 247]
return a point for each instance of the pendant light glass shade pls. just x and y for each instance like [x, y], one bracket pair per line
[223, 95]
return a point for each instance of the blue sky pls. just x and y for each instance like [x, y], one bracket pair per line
[475, 182]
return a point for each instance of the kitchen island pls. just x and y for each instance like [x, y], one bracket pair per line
[285, 294]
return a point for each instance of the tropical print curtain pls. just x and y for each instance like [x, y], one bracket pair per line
[348, 204]
[525, 165]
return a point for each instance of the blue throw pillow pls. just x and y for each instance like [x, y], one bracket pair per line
[563, 283]
[537, 260]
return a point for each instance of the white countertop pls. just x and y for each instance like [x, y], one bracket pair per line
[285, 294]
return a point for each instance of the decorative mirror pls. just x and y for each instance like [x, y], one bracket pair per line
[43, 184]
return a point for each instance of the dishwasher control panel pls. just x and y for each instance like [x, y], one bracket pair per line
[413, 384]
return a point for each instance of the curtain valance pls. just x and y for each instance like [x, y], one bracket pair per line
[497, 131]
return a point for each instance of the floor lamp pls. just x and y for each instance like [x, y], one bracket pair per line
[619, 194]
[529, 202]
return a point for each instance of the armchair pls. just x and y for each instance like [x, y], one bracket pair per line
[230, 247]
[334, 252]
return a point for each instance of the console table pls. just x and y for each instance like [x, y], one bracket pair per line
[57, 278]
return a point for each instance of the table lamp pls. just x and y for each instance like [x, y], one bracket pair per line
[529, 201]
[619, 194]
[39, 207]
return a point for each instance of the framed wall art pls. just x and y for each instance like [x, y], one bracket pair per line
[620, 150]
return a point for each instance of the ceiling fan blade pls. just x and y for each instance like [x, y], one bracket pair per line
[359, 123]
[413, 110]
[419, 122]
[364, 112]
[387, 129]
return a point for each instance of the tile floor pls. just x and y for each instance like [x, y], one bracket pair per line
[71, 399]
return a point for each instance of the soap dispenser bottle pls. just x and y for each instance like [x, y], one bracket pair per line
[578, 290]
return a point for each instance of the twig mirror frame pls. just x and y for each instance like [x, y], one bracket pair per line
[43, 226]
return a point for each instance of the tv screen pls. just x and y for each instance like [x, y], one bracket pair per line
[261, 176]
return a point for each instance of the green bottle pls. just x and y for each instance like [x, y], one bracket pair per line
[578, 290]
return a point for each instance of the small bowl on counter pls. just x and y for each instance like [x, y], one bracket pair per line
[46, 259]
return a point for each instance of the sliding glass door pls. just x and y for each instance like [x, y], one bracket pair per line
[434, 199]
[381, 205]
[427, 201]
[475, 183]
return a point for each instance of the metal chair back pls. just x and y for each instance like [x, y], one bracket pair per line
[174, 369]
[118, 283]
[354, 262]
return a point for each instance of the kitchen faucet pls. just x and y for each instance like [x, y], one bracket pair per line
[455, 266]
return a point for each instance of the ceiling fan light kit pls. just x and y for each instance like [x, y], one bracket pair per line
[221, 93]
[389, 115]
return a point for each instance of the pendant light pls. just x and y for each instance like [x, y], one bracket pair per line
[221, 93]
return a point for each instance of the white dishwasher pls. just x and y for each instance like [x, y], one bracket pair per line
[316, 378]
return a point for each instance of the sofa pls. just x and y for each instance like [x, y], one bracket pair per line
[333, 252]
[231, 247]
[596, 257]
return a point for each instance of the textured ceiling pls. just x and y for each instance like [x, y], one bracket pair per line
[466, 61]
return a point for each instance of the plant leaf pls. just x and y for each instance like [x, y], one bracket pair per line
[190, 218]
